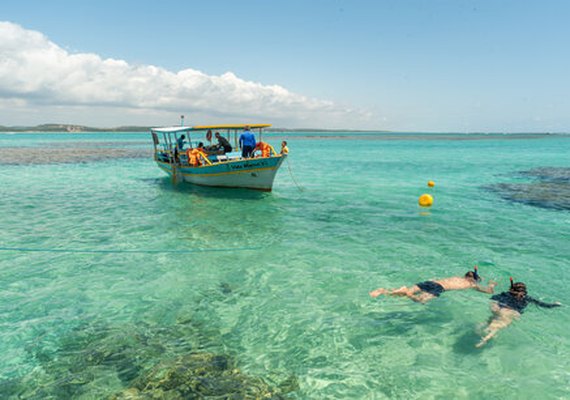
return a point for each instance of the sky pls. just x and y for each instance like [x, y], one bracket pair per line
[399, 65]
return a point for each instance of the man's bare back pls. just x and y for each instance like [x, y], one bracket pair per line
[456, 283]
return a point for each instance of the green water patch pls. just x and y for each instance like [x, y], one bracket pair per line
[139, 361]
[548, 187]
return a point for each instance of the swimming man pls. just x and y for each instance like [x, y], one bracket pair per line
[508, 306]
[425, 291]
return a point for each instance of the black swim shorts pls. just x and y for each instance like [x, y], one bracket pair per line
[431, 287]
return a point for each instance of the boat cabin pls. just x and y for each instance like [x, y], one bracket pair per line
[167, 150]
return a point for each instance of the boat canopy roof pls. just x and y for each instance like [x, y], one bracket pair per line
[172, 129]
[176, 129]
[230, 126]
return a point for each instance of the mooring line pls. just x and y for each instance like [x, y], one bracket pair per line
[116, 251]
[292, 177]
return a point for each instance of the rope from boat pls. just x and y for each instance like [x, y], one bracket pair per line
[292, 177]
[118, 251]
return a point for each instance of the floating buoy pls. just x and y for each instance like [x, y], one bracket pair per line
[425, 200]
[431, 183]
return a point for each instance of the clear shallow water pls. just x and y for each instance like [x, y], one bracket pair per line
[280, 281]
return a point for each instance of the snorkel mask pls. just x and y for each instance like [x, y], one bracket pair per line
[473, 275]
[518, 288]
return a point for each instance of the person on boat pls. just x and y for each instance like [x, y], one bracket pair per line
[284, 148]
[196, 155]
[508, 306]
[223, 144]
[265, 148]
[247, 142]
[180, 143]
[425, 291]
[179, 147]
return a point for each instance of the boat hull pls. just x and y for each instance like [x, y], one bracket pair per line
[254, 173]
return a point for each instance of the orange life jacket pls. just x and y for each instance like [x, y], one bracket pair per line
[194, 156]
[265, 148]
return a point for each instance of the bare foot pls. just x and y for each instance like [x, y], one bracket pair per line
[377, 292]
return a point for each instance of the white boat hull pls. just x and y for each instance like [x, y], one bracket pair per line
[256, 173]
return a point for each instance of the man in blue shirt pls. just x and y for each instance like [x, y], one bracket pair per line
[247, 142]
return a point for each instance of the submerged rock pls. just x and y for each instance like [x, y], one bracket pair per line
[137, 361]
[549, 189]
[225, 288]
[291, 384]
[58, 155]
[198, 376]
[550, 174]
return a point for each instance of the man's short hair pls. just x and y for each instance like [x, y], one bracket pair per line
[471, 274]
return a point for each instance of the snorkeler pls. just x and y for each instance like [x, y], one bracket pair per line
[508, 306]
[431, 289]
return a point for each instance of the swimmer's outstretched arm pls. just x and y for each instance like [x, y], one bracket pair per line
[490, 289]
[542, 303]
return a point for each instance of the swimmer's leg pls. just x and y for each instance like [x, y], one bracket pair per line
[378, 292]
[422, 297]
[410, 293]
[393, 292]
[403, 291]
[501, 319]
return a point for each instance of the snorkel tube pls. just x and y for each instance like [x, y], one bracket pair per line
[476, 274]
[518, 289]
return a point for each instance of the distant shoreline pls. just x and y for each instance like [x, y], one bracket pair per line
[68, 128]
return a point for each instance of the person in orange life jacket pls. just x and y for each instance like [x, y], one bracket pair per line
[195, 154]
[265, 149]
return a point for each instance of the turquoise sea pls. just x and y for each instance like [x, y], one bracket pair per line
[115, 283]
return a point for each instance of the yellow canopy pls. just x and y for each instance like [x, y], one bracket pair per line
[229, 126]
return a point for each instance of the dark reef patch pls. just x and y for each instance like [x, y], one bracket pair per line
[549, 188]
[68, 155]
[138, 361]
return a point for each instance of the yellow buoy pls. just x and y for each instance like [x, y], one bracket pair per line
[425, 200]
[431, 183]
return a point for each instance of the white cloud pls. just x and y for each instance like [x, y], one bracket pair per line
[38, 73]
